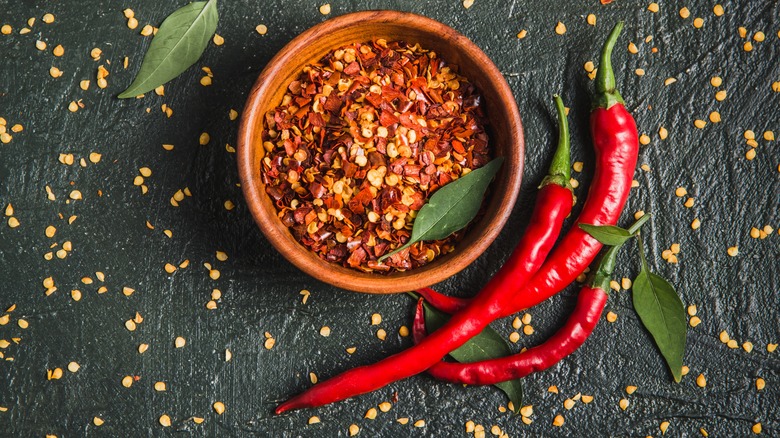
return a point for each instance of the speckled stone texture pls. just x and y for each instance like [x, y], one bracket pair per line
[260, 290]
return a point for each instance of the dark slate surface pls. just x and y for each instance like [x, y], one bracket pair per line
[260, 290]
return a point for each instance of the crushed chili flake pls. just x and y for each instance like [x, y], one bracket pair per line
[360, 142]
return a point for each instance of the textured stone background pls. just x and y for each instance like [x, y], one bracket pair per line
[260, 290]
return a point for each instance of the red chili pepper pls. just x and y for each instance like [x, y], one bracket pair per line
[579, 326]
[553, 205]
[616, 146]
[616, 143]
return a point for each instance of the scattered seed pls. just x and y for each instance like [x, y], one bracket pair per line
[611, 316]
[698, 22]
[560, 28]
[262, 29]
[718, 10]
[760, 384]
[694, 321]
[623, 404]
[325, 10]
[685, 13]
[468, 3]
[48, 18]
[165, 420]
[127, 381]
[97, 421]
[558, 420]
[522, 34]
[664, 426]
[160, 386]
[385, 406]
[747, 346]
[756, 428]
[179, 342]
[701, 381]
[73, 367]
[219, 407]
[325, 331]
[733, 251]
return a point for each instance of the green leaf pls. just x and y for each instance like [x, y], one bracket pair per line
[488, 344]
[663, 315]
[178, 44]
[452, 207]
[607, 234]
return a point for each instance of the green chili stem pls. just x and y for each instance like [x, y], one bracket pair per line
[606, 88]
[560, 168]
[603, 274]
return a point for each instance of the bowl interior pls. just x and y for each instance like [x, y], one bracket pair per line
[504, 130]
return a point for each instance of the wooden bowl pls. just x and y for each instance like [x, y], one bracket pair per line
[505, 131]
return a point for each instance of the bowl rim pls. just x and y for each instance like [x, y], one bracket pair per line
[347, 278]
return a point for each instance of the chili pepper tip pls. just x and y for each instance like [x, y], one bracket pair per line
[560, 168]
[607, 94]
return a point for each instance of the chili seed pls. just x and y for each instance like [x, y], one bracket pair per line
[694, 321]
[385, 406]
[653, 7]
[760, 384]
[698, 22]
[699, 123]
[219, 407]
[48, 18]
[591, 19]
[611, 316]
[623, 404]
[325, 331]
[160, 386]
[262, 29]
[73, 367]
[756, 428]
[685, 13]
[127, 381]
[733, 251]
[325, 10]
[701, 381]
[718, 10]
[97, 421]
[468, 3]
[747, 346]
[353, 428]
[663, 427]
[165, 420]
[558, 420]
[314, 420]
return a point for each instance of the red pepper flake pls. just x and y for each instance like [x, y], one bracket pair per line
[360, 142]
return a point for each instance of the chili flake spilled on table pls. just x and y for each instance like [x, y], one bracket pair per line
[360, 142]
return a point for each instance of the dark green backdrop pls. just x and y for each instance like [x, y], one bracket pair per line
[260, 290]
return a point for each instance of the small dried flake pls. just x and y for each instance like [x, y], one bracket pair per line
[560, 28]
[325, 9]
[179, 342]
[165, 420]
[219, 407]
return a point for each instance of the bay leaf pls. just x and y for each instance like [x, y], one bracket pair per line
[663, 315]
[178, 44]
[452, 207]
[488, 344]
[607, 234]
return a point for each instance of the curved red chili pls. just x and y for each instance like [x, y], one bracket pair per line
[578, 327]
[553, 205]
[616, 143]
